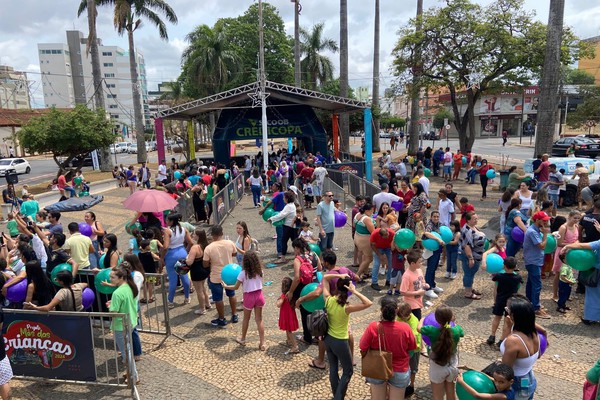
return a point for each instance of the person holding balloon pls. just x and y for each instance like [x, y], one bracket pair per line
[434, 246]
[418, 204]
[175, 237]
[131, 179]
[508, 282]
[458, 157]
[536, 238]
[503, 376]
[472, 243]
[68, 298]
[79, 245]
[515, 227]
[568, 233]
[498, 247]
[486, 172]
[287, 216]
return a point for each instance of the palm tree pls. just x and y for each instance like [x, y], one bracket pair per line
[344, 118]
[375, 102]
[316, 68]
[127, 18]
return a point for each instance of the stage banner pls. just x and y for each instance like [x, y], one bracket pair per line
[49, 346]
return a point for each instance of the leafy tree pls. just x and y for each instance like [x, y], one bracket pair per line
[386, 121]
[578, 77]
[67, 134]
[501, 43]
[589, 110]
[440, 116]
[355, 119]
[316, 68]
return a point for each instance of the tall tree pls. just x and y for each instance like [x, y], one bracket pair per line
[375, 102]
[106, 163]
[549, 85]
[127, 18]
[500, 43]
[344, 118]
[415, 89]
[316, 68]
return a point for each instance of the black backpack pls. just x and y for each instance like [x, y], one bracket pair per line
[318, 323]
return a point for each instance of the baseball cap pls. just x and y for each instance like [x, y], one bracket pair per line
[541, 215]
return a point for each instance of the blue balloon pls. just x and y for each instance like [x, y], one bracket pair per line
[319, 276]
[491, 174]
[230, 273]
[464, 160]
[431, 244]
[446, 234]
[494, 263]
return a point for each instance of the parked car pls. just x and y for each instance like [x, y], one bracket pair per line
[595, 137]
[132, 149]
[18, 165]
[122, 147]
[87, 161]
[585, 147]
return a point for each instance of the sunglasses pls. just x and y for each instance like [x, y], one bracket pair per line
[328, 195]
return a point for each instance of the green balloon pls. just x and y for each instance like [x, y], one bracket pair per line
[269, 212]
[78, 180]
[57, 269]
[129, 226]
[103, 276]
[314, 247]
[405, 238]
[265, 201]
[550, 244]
[280, 222]
[314, 304]
[581, 260]
[478, 381]
[486, 245]
[427, 172]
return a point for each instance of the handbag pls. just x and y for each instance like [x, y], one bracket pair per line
[589, 278]
[377, 363]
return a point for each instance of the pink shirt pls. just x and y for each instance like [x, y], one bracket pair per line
[413, 281]
[250, 285]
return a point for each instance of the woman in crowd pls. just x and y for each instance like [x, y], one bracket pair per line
[526, 197]
[591, 305]
[255, 181]
[405, 194]
[362, 238]
[584, 181]
[283, 174]
[568, 233]
[386, 217]
[514, 218]
[199, 201]
[111, 251]
[418, 204]
[521, 348]
[40, 290]
[288, 216]
[243, 241]
[198, 273]
[131, 179]
[472, 243]
[483, 179]
[68, 298]
[98, 233]
[396, 338]
[503, 205]
[514, 179]
[211, 190]
[336, 341]
[175, 237]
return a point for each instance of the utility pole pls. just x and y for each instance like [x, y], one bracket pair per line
[263, 85]
[297, 71]
[375, 102]
[415, 90]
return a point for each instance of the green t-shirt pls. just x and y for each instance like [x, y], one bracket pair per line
[566, 274]
[13, 228]
[30, 208]
[413, 322]
[433, 334]
[122, 301]
[337, 318]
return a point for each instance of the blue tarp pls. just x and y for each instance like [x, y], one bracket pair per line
[75, 204]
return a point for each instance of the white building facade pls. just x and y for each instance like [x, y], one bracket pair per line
[14, 89]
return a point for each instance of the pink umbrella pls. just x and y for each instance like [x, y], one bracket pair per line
[150, 201]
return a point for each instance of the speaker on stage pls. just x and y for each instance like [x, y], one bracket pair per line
[12, 178]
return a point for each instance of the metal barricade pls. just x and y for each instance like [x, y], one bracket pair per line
[356, 185]
[336, 176]
[225, 201]
[58, 342]
[371, 189]
[338, 192]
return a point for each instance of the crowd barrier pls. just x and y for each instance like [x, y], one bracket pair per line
[225, 201]
[68, 347]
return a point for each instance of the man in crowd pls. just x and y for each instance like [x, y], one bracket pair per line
[55, 226]
[326, 221]
[278, 203]
[144, 176]
[445, 208]
[543, 171]
[384, 197]
[79, 246]
[318, 178]
[553, 186]
[161, 176]
[423, 180]
[533, 255]
[438, 157]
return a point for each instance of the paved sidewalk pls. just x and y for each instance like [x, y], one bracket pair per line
[210, 365]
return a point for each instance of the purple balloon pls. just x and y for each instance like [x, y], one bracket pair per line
[340, 219]
[431, 321]
[85, 229]
[517, 235]
[87, 297]
[397, 205]
[17, 292]
[543, 343]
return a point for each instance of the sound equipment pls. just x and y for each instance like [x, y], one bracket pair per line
[12, 177]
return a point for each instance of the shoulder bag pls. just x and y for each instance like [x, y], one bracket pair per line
[377, 363]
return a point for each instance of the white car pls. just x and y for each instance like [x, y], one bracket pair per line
[121, 147]
[18, 165]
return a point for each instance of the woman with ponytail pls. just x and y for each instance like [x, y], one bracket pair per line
[175, 239]
[443, 358]
[336, 341]
[123, 301]
[69, 298]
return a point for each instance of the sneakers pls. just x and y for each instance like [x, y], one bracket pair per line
[427, 303]
[171, 305]
[431, 294]
[221, 323]
[234, 318]
[438, 290]
[453, 275]
[375, 286]
[390, 292]
[491, 340]
[200, 312]
[447, 276]
[409, 391]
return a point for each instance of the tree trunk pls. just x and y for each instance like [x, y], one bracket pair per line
[137, 101]
[344, 120]
[297, 70]
[413, 131]
[106, 163]
[375, 102]
[549, 86]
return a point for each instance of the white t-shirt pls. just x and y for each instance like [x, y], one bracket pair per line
[255, 181]
[306, 234]
[138, 279]
[384, 197]
[446, 208]
[248, 165]
[250, 285]
[319, 175]
[447, 159]
[38, 248]
[162, 172]
[424, 181]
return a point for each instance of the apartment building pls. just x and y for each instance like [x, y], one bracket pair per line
[14, 89]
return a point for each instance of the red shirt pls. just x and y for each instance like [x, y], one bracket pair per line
[406, 197]
[61, 182]
[307, 173]
[396, 337]
[299, 167]
[206, 179]
[544, 174]
[379, 241]
[464, 210]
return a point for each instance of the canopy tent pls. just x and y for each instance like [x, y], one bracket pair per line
[241, 106]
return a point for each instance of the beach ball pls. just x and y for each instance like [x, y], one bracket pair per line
[57, 269]
[87, 297]
[550, 244]
[431, 244]
[491, 174]
[85, 229]
[479, 381]
[340, 219]
[494, 263]
[17, 292]
[314, 247]
[446, 234]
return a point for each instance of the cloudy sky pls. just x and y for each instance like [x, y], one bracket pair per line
[24, 23]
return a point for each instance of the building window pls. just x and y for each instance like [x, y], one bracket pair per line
[107, 53]
[109, 75]
[112, 106]
[111, 96]
[108, 64]
[114, 116]
[111, 85]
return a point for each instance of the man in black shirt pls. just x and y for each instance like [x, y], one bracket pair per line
[588, 232]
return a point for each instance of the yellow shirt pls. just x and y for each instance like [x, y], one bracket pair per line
[337, 318]
[219, 253]
[79, 247]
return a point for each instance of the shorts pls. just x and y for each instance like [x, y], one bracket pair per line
[413, 363]
[554, 198]
[446, 373]
[216, 289]
[447, 169]
[253, 299]
[399, 380]
[499, 306]
[396, 276]
[316, 190]
[6, 372]
[587, 195]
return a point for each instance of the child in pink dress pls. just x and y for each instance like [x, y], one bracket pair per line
[288, 321]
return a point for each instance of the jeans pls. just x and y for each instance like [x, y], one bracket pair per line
[451, 258]
[533, 288]
[120, 342]
[377, 262]
[436, 167]
[70, 190]
[483, 179]
[564, 291]
[432, 265]
[326, 242]
[93, 257]
[146, 184]
[289, 233]
[136, 342]
[170, 259]
[279, 233]
[471, 174]
[338, 351]
[256, 191]
[528, 393]
[512, 247]
[468, 273]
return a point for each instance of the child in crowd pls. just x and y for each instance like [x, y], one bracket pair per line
[134, 242]
[508, 284]
[300, 218]
[498, 247]
[452, 250]
[413, 284]
[566, 280]
[288, 321]
[465, 207]
[443, 358]
[25, 190]
[338, 205]
[251, 279]
[149, 263]
[12, 226]
[155, 245]
[398, 259]
[419, 231]
[306, 234]
[404, 314]
[308, 195]
[503, 376]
